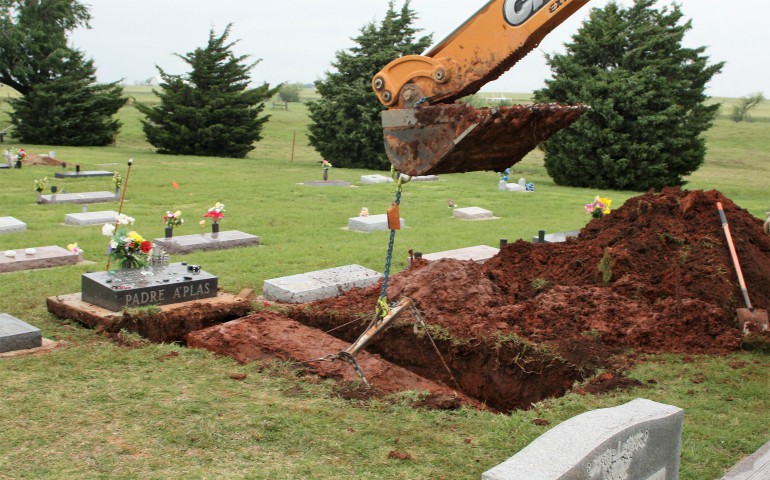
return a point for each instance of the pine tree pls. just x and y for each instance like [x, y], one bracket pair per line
[61, 104]
[646, 91]
[211, 111]
[345, 123]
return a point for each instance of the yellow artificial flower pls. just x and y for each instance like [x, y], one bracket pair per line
[135, 236]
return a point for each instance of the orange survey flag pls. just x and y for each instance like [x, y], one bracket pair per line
[175, 185]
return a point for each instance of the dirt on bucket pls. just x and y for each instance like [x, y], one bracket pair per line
[653, 276]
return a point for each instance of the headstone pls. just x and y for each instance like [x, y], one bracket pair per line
[373, 179]
[320, 284]
[223, 240]
[425, 178]
[371, 223]
[85, 197]
[90, 218]
[84, 174]
[515, 187]
[472, 213]
[156, 285]
[479, 254]
[38, 257]
[17, 335]
[555, 237]
[640, 440]
[10, 224]
[754, 467]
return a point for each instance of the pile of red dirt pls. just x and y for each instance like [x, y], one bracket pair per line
[652, 276]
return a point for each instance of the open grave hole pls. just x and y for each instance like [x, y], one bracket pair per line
[654, 276]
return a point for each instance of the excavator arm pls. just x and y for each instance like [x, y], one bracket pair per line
[427, 133]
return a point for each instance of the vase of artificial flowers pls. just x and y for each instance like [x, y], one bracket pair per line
[171, 220]
[40, 185]
[127, 248]
[326, 166]
[117, 180]
[599, 207]
[215, 213]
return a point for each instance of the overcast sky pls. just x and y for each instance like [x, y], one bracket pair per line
[297, 40]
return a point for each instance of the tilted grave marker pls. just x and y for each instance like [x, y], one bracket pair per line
[640, 440]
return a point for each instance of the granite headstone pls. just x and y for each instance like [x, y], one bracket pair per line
[639, 440]
[154, 285]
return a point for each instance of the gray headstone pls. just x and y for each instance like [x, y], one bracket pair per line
[371, 223]
[84, 174]
[557, 237]
[85, 197]
[10, 224]
[38, 257]
[157, 285]
[373, 179]
[17, 335]
[223, 240]
[754, 467]
[472, 213]
[307, 287]
[478, 253]
[90, 218]
[640, 440]
[425, 178]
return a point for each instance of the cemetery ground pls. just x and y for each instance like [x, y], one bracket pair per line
[120, 407]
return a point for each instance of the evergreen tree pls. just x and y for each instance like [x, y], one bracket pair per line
[61, 104]
[345, 123]
[211, 111]
[647, 96]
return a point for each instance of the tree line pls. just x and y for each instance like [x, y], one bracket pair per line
[646, 92]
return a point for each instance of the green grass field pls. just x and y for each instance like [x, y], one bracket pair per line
[93, 409]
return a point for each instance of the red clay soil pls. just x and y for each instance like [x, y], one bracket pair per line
[653, 276]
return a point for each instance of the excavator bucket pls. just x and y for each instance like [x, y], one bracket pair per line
[458, 138]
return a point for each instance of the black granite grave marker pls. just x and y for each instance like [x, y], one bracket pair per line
[157, 285]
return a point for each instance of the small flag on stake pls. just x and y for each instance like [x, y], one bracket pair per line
[175, 185]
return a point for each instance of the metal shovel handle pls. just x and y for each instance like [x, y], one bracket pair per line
[734, 255]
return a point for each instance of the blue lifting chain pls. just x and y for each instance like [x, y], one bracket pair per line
[382, 303]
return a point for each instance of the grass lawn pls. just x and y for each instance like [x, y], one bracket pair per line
[93, 409]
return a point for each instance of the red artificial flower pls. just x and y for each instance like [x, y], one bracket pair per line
[146, 246]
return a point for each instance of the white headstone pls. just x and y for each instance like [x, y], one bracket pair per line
[472, 213]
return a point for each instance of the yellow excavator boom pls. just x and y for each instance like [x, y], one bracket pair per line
[426, 133]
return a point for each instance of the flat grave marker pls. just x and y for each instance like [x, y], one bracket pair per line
[84, 174]
[10, 224]
[90, 218]
[223, 240]
[320, 284]
[85, 197]
[17, 335]
[156, 285]
[38, 257]
[639, 440]
[371, 223]
[374, 179]
[472, 213]
[478, 254]
[557, 237]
